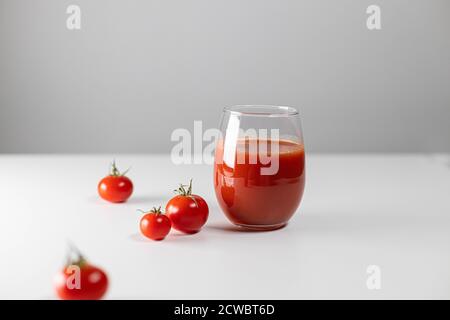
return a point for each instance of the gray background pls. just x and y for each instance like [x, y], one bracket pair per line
[139, 69]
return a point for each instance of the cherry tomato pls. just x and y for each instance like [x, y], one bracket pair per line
[188, 212]
[155, 225]
[79, 280]
[115, 187]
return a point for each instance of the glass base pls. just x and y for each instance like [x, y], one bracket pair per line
[256, 227]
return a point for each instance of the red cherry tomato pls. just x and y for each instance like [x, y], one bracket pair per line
[188, 212]
[155, 225]
[116, 187]
[80, 280]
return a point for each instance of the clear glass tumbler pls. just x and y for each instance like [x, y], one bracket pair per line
[259, 165]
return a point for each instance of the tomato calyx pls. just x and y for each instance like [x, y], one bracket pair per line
[115, 172]
[154, 210]
[182, 191]
[75, 257]
[186, 191]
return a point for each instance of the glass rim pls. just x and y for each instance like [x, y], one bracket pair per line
[261, 110]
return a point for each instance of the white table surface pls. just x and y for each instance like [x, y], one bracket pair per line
[358, 210]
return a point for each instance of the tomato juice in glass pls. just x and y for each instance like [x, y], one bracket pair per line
[255, 200]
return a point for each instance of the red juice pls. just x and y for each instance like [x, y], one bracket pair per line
[252, 199]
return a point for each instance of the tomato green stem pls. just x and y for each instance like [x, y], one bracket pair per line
[79, 260]
[154, 210]
[115, 171]
[182, 191]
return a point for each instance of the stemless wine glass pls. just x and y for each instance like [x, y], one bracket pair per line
[259, 165]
